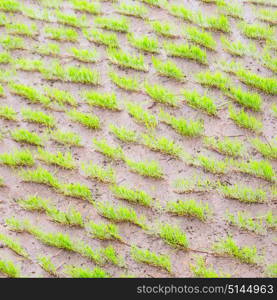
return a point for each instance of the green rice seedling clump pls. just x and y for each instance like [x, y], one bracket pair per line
[5, 57]
[160, 94]
[115, 153]
[164, 29]
[12, 42]
[8, 113]
[174, 236]
[10, 6]
[114, 24]
[146, 168]
[88, 120]
[200, 37]
[78, 272]
[168, 69]
[71, 19]
[66, 138]
[94, 171]
[102, 38]
[71, 217]
[144, 43]
[49, 49]
[134, 9]
[238, 48]
[17, 158]
[211, 164]
[124, 82]
[22, 29]
[194, 184]
[124, 134]
[103, 231]
[60, 96]
[271, 270]
[93, 8]
[76, 190]
[13, 245]
[103, 100]
[268, 150]
[213, 79]
[39, 117]
[27, 137]
[34, 203]
[257, 31]
[64, 160]
[61, 34]
[47, 265]
[29, 65]
[84, 55]
[7, 267]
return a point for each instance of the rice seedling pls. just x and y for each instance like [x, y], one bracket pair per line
[29, 65]
[8, 113]
[216, 23]
[102, 100]
[66, 138]
[110, 255]
[93, 8]
[132, 195]
[61, 34]
[88, 120]
[115, 153]
[50, 4]
[210, 164]
[60, 96]
[103, 231]
[269, 61]
[17, 158]
[182, 126]
[34, 203]
[257, 31]
[200, 37]
[144, 43]
[245, 254]
[274, 110]
[151, 258]
[271, 270]
[262, 2]
[71, 19]
[22, 29]
[164, 29]
[269, 16]
[7, 267]
[50, 49]
[71, 217]
[192, 185]
[12, 42]
[146, 168]
[40, 13]
[40, 175]
[189, 208]
[1, 92]
[102, 38]
[174, 236]
[120, 214]
[126, 60]
[205, 103]
[270, 220]
[13, 245]
[181, 11]
[29, 93]
[243, 193]
[244, 120]
[47, 265]
[162, 144]
[238, 48]
[126, 83]
[268, 150]
[27, 137]
[10, 6]
[134, 9]
[234, 10]
[186, 51]
[76, 190]
[242, 220]
[114, 24]
[78, 272]
[3, 19]
[84, 55]
[124, 134]
[5, 57]
[94, 171]
[63, 160]
[231, 147]
[201, 270]
[160, 94]
[141, 115]
[213, 79]
[157, 3]
[39, 117]
[168, 69]
[2, 182]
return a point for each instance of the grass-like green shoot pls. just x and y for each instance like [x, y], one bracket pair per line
[8, 113]
[94, 171]
[274, 110]
[115, 153]
[270, 61]
[10, 6]
[132, 195]
[102, 38]
[17, 158]
[213, 79]
[47, 265]
[14, 245]
[189, 208]
[33, 203]
[200, 37]
[164, 29]
[271, 270]
[78, 21]
[5, 57]
[7, 267]
[111, 23]
[62, 34]
[168, 69]
[146, 168]
[60, 96]
[124, 134]
[49, 49]
[192, 185]
[78, 272]
[238, 48]
[124, 82]
[71, 217]
[211, 164]
[88, 120]
[266, 15]
[93, 8]
[84, 55]
[103, 100]
[76, 190]
[103, 231]
[39, 117]
[12, 42]
[257, 31]
[66, 138]
[184, 127]
[27, 137]
[134, 9]
[22, 29]
[144, 43]
[64, 160]
[29, 65]
[157, 3]
[268, 150]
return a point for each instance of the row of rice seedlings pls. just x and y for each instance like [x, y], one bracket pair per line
[40, 14]
[80, 272]
[7, 267]
[103, 231]
[39, 117]
[213, 79]
[102, 100]
[141, 115]
[8, 113]
[5, 57]
[186, 51]
[113, 152]
[9, 42]
[63, 241]
[63, 160]
[189, 208]
[47, 265]
[182, 126]
[13, 244]
[257, 31]
[146, 168]
[127, 60]
[68, 138]
[119, 214]
[124, 134]
[269, 61]
[204, 103]
[144, 43]
[22, 29]
[29, 65]
[269, 16]
[238, 48]
[243, 193]
[124, 82]
[200, 37]
[161, 94]
[164, 29]
[156, 3]
[131, 195]
[234, 10]
[101, 38]
[48, 49]
[88, 120]
[78, 21]
[210, 164]
[268, 150]
[93, 8]
[112, 23]
[60, 96]
[245, 254]
[168, 69]
[134, 10]
[97, 172]
[3, 19]
[62, 34]
[84, 55]
[10, 6]
[245, 120]
[262, 169]
[192, 185]
[26, 137]
[17, 158]
[50, 4]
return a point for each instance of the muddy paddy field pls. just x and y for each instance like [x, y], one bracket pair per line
[74, 198]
